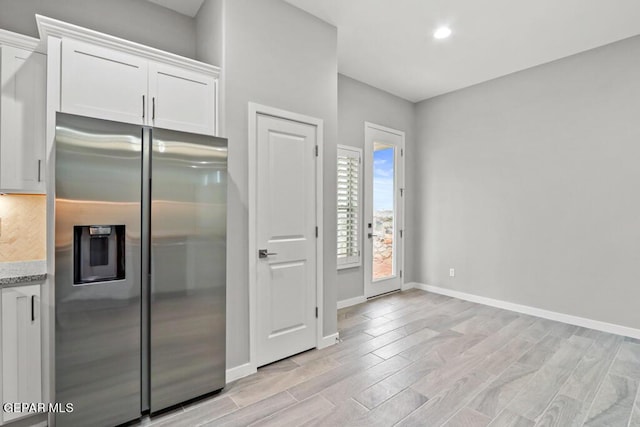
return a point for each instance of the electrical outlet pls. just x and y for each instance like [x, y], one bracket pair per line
[452, 272]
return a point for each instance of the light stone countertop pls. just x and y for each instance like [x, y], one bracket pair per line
[23, 272]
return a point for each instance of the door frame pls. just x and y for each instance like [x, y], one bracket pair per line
[400, 164]
[254, 111]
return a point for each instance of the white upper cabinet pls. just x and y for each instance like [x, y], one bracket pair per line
[182, 99]
[103, 83]
[22, 119]
[110, 78]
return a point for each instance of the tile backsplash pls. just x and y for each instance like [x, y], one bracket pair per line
[23, 228]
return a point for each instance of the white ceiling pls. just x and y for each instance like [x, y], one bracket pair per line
[185, 7]
[388, 43]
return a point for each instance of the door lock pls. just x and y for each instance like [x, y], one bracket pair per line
[264, 253]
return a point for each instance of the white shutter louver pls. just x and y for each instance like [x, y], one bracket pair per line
[349, 173]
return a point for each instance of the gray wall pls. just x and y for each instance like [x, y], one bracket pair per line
[210, 32]
[528, 186]
[210, 48]
[277, 55]
[359, 103]
[136, 20]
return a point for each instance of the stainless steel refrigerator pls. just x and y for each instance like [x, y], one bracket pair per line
[140, 269]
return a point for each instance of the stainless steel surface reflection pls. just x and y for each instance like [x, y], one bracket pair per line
[188, 267]
[97, 363]
[157, 337]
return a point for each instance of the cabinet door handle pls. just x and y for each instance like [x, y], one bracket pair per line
[153, 104]
[143, 107]
[33, 308]
[39, 170]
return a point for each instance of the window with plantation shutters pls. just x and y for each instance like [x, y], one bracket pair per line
[349, 174]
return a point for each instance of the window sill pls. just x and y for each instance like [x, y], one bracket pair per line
[350, 265]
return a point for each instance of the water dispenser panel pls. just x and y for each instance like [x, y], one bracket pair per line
[98, 253]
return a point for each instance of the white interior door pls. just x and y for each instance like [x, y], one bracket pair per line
[384, 209]
[286, 237]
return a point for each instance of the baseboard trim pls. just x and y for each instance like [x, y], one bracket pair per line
[351, 301]
[328, 341]
[408, 285]
[249, 368]
[241, 371]
[359, 300]
[534, 311]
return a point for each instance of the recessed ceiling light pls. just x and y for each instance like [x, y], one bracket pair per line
[442, 33]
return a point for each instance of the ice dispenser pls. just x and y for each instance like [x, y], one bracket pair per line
[98, 254]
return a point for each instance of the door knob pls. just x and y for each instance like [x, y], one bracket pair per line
[373, 234]
[264, 253]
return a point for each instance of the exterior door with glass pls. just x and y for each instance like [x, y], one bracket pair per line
[384, 209]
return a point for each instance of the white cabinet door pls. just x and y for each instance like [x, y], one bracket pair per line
[103, 83]
[22, 120]
[182, 99]
[21, 357]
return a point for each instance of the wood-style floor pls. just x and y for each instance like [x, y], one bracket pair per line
[421, 359]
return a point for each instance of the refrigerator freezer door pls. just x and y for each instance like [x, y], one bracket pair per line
[97, 341]
[188, 266]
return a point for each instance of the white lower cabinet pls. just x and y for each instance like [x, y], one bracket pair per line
[21, 347]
